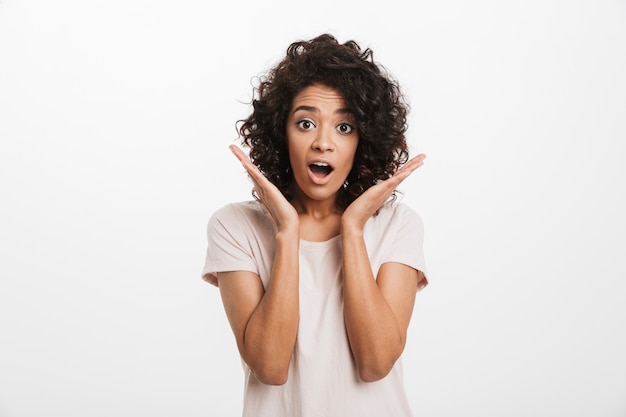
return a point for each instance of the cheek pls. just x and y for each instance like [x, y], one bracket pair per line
[352, 154]
[295, 158]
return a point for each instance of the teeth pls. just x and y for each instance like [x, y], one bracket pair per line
[320, 164]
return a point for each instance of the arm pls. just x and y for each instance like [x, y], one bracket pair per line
[265, 322]
[376, 311]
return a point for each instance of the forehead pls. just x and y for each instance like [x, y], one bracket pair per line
[319, 95]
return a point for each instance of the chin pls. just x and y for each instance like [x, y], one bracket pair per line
[319, 195]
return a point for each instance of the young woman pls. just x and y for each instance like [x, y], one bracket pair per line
[318, 274]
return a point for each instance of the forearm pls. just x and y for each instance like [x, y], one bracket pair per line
[271, 332]
[375, 337]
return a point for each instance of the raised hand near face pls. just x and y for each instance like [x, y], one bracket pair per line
[371, 200]
[283, 213]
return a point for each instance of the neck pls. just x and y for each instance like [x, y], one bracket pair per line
[319, 220]
[317, 209]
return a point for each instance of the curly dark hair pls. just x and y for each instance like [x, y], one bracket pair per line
[370, 93]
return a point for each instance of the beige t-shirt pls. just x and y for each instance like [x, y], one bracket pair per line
[323, 380]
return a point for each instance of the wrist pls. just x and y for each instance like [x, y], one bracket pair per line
[288, 234]
[349, 229]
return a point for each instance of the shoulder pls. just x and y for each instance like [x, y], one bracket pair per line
[241, 218]
[395, 220]
[395, 212]
[239, 208]
[246, 211]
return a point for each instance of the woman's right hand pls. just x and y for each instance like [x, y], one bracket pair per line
[283, 213]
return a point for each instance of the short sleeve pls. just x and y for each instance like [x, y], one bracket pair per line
[407, 246]
[228, 248]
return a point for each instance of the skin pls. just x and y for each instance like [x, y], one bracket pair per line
[376, 311]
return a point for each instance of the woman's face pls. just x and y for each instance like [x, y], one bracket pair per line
[322, 140]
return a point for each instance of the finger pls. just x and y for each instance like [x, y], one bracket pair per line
[256, 187]
[243, 158]
[406, 170]
[238, 152]
[411, 166]
[415, 162]
[252, 169]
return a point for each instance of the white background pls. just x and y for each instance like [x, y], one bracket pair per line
[115, 117]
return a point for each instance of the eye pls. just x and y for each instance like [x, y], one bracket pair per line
[305, 124]
[345, 128]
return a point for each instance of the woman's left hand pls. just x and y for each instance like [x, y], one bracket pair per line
[361, 209]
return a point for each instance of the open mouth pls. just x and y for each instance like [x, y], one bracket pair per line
[320, 169]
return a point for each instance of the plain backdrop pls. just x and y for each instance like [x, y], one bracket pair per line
[115, 118]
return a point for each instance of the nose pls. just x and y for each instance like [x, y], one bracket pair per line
[323, 141]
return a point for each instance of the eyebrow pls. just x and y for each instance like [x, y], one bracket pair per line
[316, 110]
